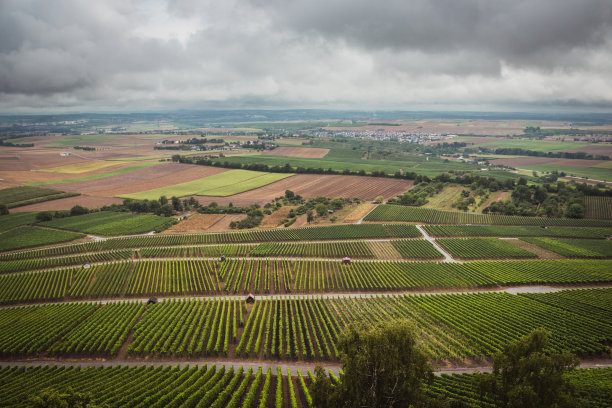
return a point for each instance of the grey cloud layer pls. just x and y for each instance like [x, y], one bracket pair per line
[345, 53]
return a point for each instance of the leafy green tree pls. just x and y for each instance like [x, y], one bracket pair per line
[383, 367]
[44, 216]
[78, 210]
[575, 211]
[289, 194]
[309, 217]
[525, 376]
[321, 209]
[4, 209]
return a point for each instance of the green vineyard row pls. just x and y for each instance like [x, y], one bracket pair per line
[432, 216]
[240, 276]
[221, 386]
[447, 327]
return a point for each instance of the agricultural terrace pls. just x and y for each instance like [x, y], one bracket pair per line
[110, 223]
[575, 248]
[397, 213]
[598, 207]
[449, 327]
[515, 231]
[219, 185]
[27, 237]
[232, 387]
[234, 276]
[24, 195]
[483, 248]
[337, 232]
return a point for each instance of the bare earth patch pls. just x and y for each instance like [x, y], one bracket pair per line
[223, 223]
[304, 152]
[358, 213]
[539, 251]
[272, 220]
[195, 223]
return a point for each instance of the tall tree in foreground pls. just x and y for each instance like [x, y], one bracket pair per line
[525, 376]
[383, 367]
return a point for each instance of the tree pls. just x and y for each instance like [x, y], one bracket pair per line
[176, 204]
[4, 209]
[525, 376]
[78, 210]
[309, 217]
[383, 367]
[44, 216]
[379, 199]
[321, 209]
[167, 210]
[575, 210]
[289, 194]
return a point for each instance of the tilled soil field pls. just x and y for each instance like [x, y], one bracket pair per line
[311, 185]
[142, 179]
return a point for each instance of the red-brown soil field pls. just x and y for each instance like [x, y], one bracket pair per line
[311, 185]
[162, 175]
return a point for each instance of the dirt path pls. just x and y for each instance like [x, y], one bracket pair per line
[514, 290]
[447, 256]
[335, 368]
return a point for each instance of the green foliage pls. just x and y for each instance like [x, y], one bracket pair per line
[4, 210]
[525, 376]
[44, 216]
[382, 367]
[575, 248]
[52, 398]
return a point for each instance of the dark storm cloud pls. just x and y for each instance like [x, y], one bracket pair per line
[515, 31]
[152, 54]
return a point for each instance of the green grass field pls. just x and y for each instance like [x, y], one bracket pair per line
[535, 145]
[96, 176]
[595, 173]
[220, 185]
[109, 223]
[27, 236]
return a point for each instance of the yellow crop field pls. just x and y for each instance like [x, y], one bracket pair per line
[84, 167]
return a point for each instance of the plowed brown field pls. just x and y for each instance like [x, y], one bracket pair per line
[68, 203]
[141, 180]
[311, 185]
[305, 152]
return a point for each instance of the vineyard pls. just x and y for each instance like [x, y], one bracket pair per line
[27, 236]
[221, 386]
[361, 231]
[598, 207]
[575, 248]
[483, 248]
[110, 223]
[515, 231]
[432, 216]
[265, 276]
[447, 326]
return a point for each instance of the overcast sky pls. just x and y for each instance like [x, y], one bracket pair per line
[117, 55]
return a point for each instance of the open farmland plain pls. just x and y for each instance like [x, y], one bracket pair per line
[75, 290]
